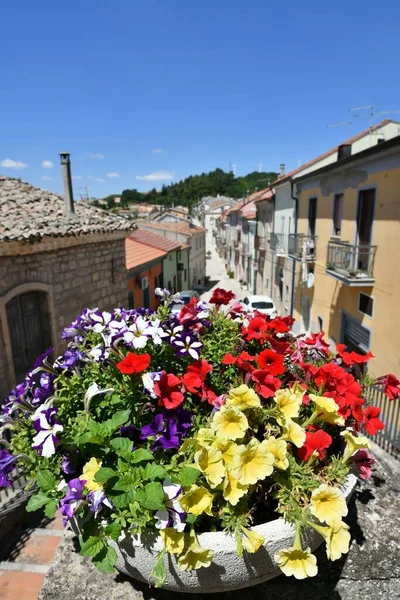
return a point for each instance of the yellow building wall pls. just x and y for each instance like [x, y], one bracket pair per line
[329, 296]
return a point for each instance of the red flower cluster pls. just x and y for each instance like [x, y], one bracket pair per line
[134, 363]
[194, 380]
[391, 386]
[221, 296]
[168, 390]
[317, 440]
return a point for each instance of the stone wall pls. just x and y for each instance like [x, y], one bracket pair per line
[86, 275]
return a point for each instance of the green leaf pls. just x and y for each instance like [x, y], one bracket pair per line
[122, 446]
[141, 455]
[92, 546]
[124, 491]
[191, 519]
[153, 471]
[50, 509]
[113, 530]
[104, 474]
[37, 501]
[188, 475]
[118, 419]
[159, 572]
[105, 560]
[46, 481]
[152, 496]
[126, 483]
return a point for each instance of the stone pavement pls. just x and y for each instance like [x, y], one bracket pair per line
[370, 571]
[215, 269]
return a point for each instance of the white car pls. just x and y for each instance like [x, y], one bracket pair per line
[264, 304]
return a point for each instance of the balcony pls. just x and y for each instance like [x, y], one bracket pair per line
[352, 265]
[260, 243]
[246, 249]
[302, 247]
[279, 244]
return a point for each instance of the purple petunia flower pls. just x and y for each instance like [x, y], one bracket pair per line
[7, 464]
[73, 497]
[44, 390]
[167, 428]
[47, 427]
[41, 359]
[187, 345]
[69, 360]
[96, 500]
[131, 432]
[173, 515]
[148, 380]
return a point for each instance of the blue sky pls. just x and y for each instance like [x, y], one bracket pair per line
[163, 89]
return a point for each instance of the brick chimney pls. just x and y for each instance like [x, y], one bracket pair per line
[281, 169]
[67, 181]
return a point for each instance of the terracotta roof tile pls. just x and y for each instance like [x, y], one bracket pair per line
[179, 227]
[156, 241]
[137, 254]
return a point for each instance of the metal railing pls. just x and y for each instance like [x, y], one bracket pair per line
[302, 247]
[279, 243]
[260, 242]
[13, 496]
[350, 260]
[389, 437]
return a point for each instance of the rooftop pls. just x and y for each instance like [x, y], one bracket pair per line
[178, 227]
[137, 254]
[156, 241]
[28, 213]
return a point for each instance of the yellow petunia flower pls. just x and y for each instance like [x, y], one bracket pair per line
[196, 556]
[233, 490]
[294, 433]
[253, 462]
[278, 449]
[288, 402]
[228, 449]
[230, 423]
[89, 471]
[209, 461]
[243, 397]
[326, 410]
[297, 562]
[251, 540]
[197, 501]
[174, 541]
[337, 538]
[354, 443]
[328, 504]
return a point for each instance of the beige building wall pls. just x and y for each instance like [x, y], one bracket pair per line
[329, 298]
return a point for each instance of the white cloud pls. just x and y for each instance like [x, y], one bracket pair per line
[97, 179]
[157, 150]
[7, 163]
[112, 175]
[46, 178]
[47, 164]
[77, 177]
[94, 155]
[156, 176]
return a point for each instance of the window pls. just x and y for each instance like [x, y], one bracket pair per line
[131, 303]
[267, 284]
[185, 275]
[320, 324]
[365, 304]
[312, 216]
[337, 214]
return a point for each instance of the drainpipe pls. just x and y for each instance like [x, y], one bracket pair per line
[296, 211]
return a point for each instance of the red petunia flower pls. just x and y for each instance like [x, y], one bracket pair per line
[168, 390]
[196, 374]
[371, 421]
[351, 358]
[266, 383]
[391, 386]
[356, 405]
[188, 311]
[278, 346]
[134, 363]
[256, 329]
[280, 324]
[241, 362]
[271, 361]
[318, 441]
[221, 296]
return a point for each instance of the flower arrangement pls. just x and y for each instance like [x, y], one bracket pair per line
[211, 420]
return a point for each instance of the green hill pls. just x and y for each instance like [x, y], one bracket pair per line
[189, 191]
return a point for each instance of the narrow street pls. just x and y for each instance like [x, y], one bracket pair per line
[215, 269]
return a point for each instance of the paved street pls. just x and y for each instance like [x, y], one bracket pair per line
[215, 269]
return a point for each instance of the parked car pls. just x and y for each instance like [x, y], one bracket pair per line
[264, 305]
[186, 297]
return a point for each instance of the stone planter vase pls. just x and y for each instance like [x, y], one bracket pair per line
[228, 571]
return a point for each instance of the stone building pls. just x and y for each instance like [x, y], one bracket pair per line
[56, 258]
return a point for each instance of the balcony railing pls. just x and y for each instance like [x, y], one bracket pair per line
[353, 265]
[245, 249]
[279, 244]
[302, 247]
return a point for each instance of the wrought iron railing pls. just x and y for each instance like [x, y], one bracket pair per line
[279, 243]
[389, 437]
[302, 247]
[351, 260]
[13, 496]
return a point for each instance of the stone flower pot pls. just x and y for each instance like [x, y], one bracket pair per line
[137, 556]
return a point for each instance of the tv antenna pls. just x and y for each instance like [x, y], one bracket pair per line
[85, 196]
[342, 124]
[259, 167]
